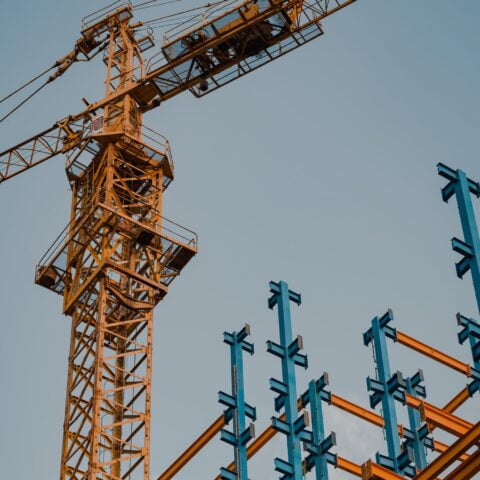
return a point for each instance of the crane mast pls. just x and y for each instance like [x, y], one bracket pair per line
[118, 255]
[113, 265]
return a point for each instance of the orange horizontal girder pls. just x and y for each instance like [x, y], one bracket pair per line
[441, 447]
[193, 449]
[443, 461]
[457, 401]
[439, 417]
[372, 471]
[348, 466]
[336, 401]
[356, 410]
[433, 353]
[467, 469]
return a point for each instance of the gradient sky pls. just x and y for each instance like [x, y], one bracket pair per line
[318, 169]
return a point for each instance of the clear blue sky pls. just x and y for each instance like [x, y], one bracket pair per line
[318, 169]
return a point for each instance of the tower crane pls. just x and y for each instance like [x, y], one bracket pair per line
[118, 255]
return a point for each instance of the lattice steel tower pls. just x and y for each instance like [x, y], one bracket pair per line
[112, 265]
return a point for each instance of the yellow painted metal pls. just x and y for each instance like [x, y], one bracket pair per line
[143, 90]
[113, 264]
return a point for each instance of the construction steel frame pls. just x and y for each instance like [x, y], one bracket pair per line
[118, 255]
[406, 446]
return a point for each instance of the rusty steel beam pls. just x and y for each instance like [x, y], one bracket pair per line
[443, 461]
[433, 353]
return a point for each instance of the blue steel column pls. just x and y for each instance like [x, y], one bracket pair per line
[471, 332]
[417, 436]
[237, 409]
[462, 187]
[386, 389]
[319, 454]
[288, 351]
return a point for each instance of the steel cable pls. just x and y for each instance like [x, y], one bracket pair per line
[23, 102]
[27, 84]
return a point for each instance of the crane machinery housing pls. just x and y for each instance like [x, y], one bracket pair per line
[118, 255]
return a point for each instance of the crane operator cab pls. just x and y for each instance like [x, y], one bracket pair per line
[211, 52]
[233, 36]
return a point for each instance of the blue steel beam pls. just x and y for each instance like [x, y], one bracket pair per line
[319, 447]
[294, 425]
[237, 409]
[417, 436]
[385, 390]
[460, 186]
[471, 332]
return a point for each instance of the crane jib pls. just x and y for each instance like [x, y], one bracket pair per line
[212, 55]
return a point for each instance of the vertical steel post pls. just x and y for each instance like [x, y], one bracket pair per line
[462, 187]
[237, 409]
[385, 390]
[471, 332]
[288, 351]
[417, 436]
[319, 455]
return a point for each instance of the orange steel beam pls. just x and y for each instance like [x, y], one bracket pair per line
[269, 433]
[452, 454]
[372, 471]
[433, 353]
[438, 417]
[466, 469]
[441, 447]
[348, 466]
[356, 410]
[193, 449]
[457, 401]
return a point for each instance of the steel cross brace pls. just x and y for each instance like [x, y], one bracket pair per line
[471, 332]
[237, 409]
[319, 446]
[386, 389]
[294, 425]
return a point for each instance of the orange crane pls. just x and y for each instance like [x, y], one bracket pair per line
[118, 255]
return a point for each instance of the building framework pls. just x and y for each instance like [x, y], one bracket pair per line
[118, 255]
[302, 420]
